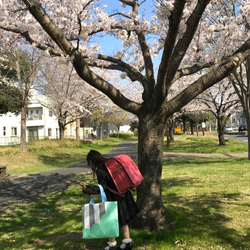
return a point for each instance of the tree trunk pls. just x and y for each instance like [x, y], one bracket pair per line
[184, 125]
[221, 136]
[152, 215]
[192, 127]
[118, 131]
[167, 133]
[100, 132]
[171, 130]
[78, 129]
[23, 129]
[61, 130]
[247, 114]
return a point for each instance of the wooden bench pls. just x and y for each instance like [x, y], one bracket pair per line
[3, 171]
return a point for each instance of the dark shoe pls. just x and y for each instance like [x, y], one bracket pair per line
[127, 246]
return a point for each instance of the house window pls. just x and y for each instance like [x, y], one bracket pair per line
[14, 131]
[50, 113]
[37, 111]
[4, 131]
[49, 131]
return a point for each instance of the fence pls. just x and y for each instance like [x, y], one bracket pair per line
[4, 141]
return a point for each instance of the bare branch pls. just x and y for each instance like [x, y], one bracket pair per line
[79, 64]
[183, 44]
[127, 2]
[191, 70]
[120, 65]
[215, 75]
[174, 22]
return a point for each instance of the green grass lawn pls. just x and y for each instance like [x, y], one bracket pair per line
[204, 144]
[50, 154]
[207, 203]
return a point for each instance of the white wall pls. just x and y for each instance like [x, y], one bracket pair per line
[39, 122]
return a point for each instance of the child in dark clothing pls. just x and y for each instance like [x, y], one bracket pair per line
[127, 207]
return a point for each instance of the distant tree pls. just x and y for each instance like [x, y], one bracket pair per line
[7, 72]
[10, 99]
[21, 66]
[99, 116]
[241, 82]
[133, 126]
[26, 64]
[67, 96]
[10, 94]
[222, 101]
[118, 117]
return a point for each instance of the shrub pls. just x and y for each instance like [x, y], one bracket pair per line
[10, 150]
[121, 135]
[86, 142]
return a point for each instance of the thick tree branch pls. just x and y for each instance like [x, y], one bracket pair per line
[191, 70]
[215, 75]
[80, 65]
[28, 38]
[183, 44]
[127, 2]
[149, 69]
[120, 65]
[174, 22]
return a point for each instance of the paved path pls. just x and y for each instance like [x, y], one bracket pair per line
[26, 187]
[171, 155]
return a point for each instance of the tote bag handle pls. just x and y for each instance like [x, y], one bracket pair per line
[103, 195]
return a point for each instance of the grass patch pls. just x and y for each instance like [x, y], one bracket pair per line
[207, 203]
[50, 154]
[204, 144]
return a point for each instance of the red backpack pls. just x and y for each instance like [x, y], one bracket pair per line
[124, 173]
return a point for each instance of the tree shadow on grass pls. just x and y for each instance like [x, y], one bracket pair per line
[29, 187]
[203, 217]
[63, 159]
[53, 222]
[197, 221]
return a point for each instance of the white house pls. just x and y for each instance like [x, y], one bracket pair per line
[40, 123]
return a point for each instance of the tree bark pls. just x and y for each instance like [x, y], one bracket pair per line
[221, 136]
[78, 129]
[152, 215]
[168, 133]
[23, 129]
[61, 129]
[100, 131]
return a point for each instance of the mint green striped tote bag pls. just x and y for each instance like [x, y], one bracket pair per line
[100, 220]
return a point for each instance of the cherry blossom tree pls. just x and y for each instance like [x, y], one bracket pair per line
[68, 97]
[241, 81]
[181, 37]
[24, 66]
[118, 117]
[222, 101]
[10, 94]
[196, 112]
[25, 79]
[10, 98]
[99, 116]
